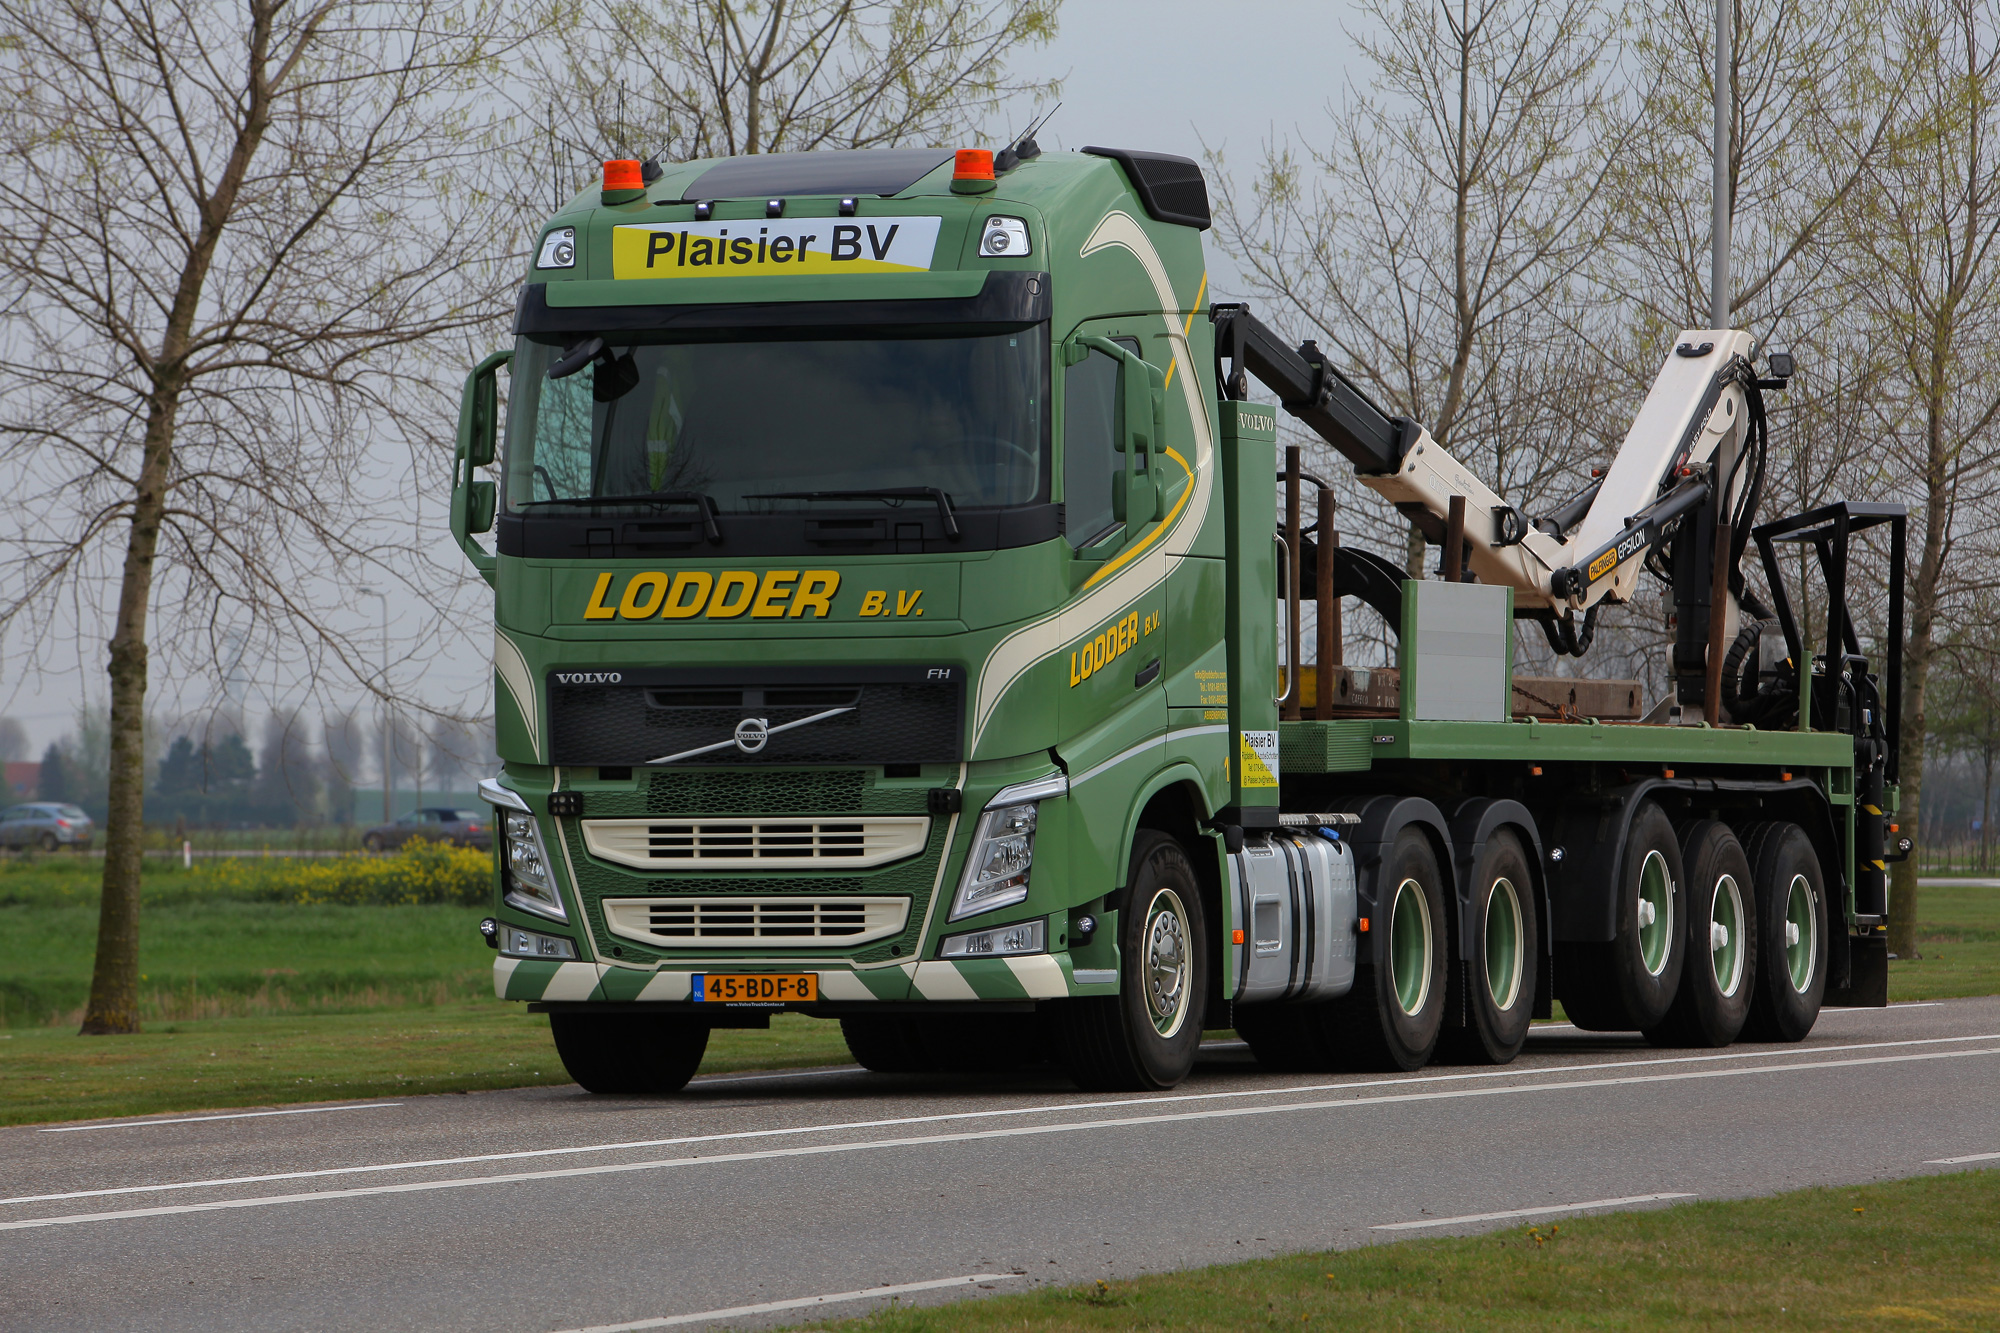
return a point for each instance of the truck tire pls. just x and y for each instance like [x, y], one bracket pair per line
[1392, 1018]
[1144, 1038]
[629, 1053]
[1494, 986]
[886, 1045]
[1629, 983]
[1789, 979]
[1713, 1001]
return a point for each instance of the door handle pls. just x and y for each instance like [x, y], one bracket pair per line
[1147, 674]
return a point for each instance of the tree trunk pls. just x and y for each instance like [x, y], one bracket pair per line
[1917, 668]
[114, 980]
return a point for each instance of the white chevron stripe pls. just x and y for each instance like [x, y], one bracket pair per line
[942, 981]
[503, 968]
[1040, 975]
[572, 981]
[668, 986]
[843, 986]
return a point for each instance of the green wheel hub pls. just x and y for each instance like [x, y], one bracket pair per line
[1503, 943]
[1656, 913]
[1725, 935]
[1801, 933]
[1168, 987]
[1410, 946]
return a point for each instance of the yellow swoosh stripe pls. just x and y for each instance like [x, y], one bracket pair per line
[1188, 327]
[1159, 529]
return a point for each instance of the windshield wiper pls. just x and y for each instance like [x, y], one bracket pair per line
[703, 502]
[930, 493]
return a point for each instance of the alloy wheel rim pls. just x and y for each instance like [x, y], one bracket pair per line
[1167, 989]
[1410, 946]
[1801, 933]
[1725, 935]
[1503, 944]
[1656, 890]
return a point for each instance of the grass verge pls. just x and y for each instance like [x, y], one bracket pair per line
[1907, 1254]
[1958, 942]
[52, 1074]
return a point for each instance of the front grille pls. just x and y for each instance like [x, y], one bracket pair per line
[734, 923]
[797, 843]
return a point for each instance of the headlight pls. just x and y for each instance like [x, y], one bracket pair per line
[1005, 236]
[999, 942]
[531, 884]
[558, 249]
[1003, 850]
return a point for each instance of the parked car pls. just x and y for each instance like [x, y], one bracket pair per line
[45, 824]
[432, 823]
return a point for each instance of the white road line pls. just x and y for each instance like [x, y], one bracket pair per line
[801, 1303]
[1970, 1157]
[1527, 1212]
[233, 1115]
[1046, 1108]
[969, 1136]
[1879, 1008]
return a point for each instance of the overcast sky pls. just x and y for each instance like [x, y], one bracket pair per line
[1169, 76]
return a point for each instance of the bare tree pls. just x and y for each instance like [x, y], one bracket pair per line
[13, 740]
[1439, 241]
[230, 227]
[1924, 253]
[711, 78]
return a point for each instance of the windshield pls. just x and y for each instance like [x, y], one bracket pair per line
[748, 423]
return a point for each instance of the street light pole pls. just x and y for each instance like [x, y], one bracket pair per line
[382, 710]
[1718, 293]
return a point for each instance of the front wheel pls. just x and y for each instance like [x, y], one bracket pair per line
[629, 1053]
[1145, 1038]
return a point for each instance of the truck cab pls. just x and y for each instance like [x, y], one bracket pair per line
[858, 567]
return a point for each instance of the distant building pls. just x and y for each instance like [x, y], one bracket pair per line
[23, 781]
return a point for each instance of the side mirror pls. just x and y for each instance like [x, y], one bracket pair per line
[474, 503]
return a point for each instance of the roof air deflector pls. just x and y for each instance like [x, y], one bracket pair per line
[1170, 187]
[847, 171]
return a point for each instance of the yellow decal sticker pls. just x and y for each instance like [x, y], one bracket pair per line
[755, 247]
[1257, 755]
[771, 594]
[1103, 650]
[1214, 687]
[1603, 565]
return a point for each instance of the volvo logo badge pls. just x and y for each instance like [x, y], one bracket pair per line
[752, 733]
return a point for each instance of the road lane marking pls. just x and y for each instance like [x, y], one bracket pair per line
[1046, 1108]
[968, 1136]
[801, 1303]
[1527, 1212]
[1970, 1157]
[197, 1119]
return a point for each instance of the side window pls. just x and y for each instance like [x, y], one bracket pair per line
[1091, 422]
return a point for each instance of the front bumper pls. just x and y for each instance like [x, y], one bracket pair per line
[1041, 976]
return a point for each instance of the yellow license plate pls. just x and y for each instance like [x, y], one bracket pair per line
[755, 988]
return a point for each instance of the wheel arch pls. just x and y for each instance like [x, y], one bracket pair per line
[1173, 801]
[1383, 819]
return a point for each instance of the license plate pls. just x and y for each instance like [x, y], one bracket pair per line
[755, 988]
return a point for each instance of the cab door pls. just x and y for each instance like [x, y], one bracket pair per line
[1114, 700]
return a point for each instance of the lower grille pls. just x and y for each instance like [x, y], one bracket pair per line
[734, 923]
[763, 844]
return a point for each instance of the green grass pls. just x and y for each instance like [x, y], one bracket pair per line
[1958, 940]
[1910, 1254]
[53, 1074]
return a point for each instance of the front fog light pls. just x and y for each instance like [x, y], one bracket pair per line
[1003, 849]
[518, 943]
[999, 942]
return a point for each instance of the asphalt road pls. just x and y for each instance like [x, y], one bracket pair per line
[546, 1209]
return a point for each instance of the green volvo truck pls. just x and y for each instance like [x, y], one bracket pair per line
[898, 619]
